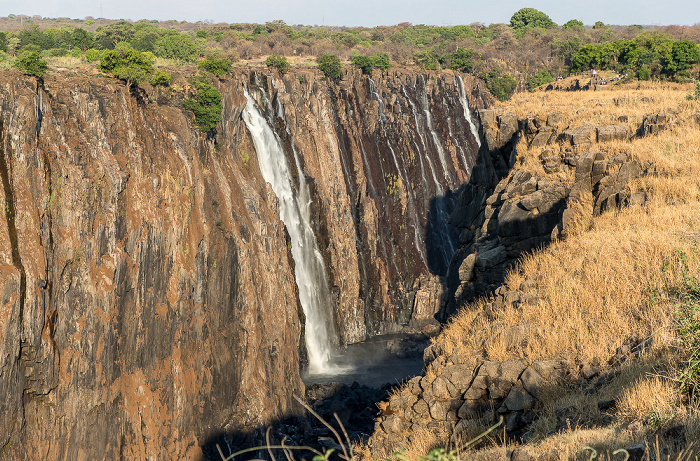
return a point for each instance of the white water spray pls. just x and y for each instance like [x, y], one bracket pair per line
[309, 269]
[467, 112]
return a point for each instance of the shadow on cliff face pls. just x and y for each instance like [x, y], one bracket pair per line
[441, 237]
[354, 405]
[499, 217]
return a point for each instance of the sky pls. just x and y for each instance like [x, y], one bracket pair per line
[368, 13]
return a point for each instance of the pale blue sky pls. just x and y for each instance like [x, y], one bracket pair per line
[368, 13]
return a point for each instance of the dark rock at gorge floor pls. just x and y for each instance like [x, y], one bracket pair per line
[149, 301]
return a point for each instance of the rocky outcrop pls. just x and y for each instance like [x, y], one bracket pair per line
[149, 300]
[504, 213]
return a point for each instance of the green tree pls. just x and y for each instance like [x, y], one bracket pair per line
[381, 61]
[127, 64]
[30, 63]
[574, 24]
[278, 62]
[217, 66]
[459, 60]
[427, 59]
[3, 41]
[363, 62]
[528, 18]
[206, 105]
[330, 65]
[161, 78]
[542, 77]
[107, 37]
[500, 85]
[82, 39]
[176, 46]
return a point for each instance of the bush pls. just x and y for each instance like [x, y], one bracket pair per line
[459, 60]
[330, 65]
[278, 62]
[127, 64]
[500, 85]
[30, 63]
[93, 55]
[218, 67]
[381, 61]
[427, 60]
[161, 78]
[206, 105]
[363, 62]
[542, 77]
[176, 46]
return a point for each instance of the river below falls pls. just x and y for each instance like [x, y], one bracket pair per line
[387, 359]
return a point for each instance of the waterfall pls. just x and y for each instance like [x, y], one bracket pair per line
[309, 269]
[425, 104]
[467, 112]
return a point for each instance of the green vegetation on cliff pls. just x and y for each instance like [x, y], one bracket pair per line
[206, 105]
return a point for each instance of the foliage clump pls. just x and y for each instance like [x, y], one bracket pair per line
[161, 78]
[368, 63]
[31, 63]
[529, 18]
[127, 64]
[278, 62]
[542, 77]
[330, 65]
[502, 86]
[206, 105]
[217, 66]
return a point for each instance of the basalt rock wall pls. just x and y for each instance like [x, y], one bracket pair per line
[148, 292]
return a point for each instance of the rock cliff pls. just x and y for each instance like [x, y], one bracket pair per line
[148, 292]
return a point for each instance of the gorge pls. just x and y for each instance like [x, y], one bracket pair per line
[161, 285]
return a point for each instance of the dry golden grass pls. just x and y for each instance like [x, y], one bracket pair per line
[611, 279]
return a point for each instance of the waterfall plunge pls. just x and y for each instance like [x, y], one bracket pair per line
[309, 269]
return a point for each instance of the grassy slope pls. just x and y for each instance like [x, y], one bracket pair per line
[617, 277]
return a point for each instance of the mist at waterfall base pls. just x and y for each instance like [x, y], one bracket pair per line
[375, 362]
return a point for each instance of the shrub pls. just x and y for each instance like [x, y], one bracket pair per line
[176, 46]
[459, 60]
[363, 62]
[127, 64]
[218, 67]
[93, 55]
[30, 63]
[206, 105]
[381, 61]
[161, 78]
[330, 65]
[500, 85]
[278, 62]
[427, 60]
[542, 77]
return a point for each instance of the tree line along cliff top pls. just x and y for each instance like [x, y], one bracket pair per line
[529, 51]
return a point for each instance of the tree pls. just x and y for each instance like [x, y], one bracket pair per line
[574, 24]
[127, 64]
[108, 36]
[176, 46]
[278, 62]
[381, 61]
[30, 63]
[217, 66]
[542, 77]
[460, 60]
[363, 62]
[330, 65]
[206, 105]
[528, 18]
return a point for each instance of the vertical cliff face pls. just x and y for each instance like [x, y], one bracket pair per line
[148, 291]
[384, 159]
[139, 310]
